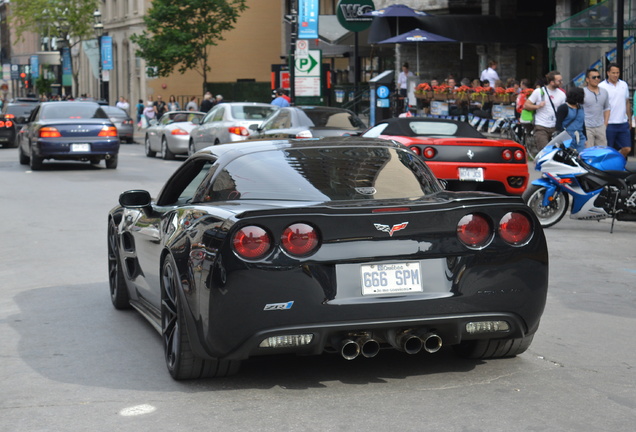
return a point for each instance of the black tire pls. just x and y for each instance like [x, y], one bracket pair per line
[112, 162]
[35, 162]
[493, 348]
[165, 150]
[181, 361]
[149, 152]
[552, 213]
[116, 278]
[24, 159]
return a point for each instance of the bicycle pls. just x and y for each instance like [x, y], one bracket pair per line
[520, 132]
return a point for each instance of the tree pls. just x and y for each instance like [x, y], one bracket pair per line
[179, 33]
[68, 21]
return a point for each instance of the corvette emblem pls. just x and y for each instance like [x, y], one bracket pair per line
[470, 154]
[390, 230]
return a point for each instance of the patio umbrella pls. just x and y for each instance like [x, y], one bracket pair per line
[396, 11]
[417, 36]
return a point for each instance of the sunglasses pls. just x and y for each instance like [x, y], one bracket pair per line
[595, 77]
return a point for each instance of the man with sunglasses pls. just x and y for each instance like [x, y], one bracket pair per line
[618, 128]
[597, 109]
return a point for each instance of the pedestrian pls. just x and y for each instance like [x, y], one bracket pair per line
[280, 101]
[160, 107]
[597, 109]
[218, 99]
[207, 103]
[403, 80]
[140, 112]
[570, 117]
[123, 104]
[192, 104]
[618, 128]
[173, 105]
[490, 73]
[544, 101]
[150, 112]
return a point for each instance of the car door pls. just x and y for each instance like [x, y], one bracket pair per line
[200, 135]
[215, 133]
[30, 131]
[154, 230]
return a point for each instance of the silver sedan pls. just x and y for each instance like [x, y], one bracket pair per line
[229, 122]
[170, 135]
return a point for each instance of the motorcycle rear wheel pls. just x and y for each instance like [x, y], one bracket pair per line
[552, 213]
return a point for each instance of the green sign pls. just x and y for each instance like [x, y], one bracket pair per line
[350, 13]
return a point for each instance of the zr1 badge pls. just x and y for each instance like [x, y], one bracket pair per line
[279, 306]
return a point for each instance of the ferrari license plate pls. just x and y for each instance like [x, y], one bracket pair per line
[394, 278]
[471, 174]
[80, 147]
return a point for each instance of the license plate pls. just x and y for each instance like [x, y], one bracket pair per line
[394, 278]
[4, 139]
[80, 147]
[471, 174]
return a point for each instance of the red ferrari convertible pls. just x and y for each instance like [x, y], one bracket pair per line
[458, 154]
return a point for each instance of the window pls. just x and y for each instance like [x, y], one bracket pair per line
[280, 120]
[183, 185]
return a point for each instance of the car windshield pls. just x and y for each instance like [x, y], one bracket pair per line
[325, 174]
[69, 110]
[333, 119]
[433, 129]
[248, 112]
[21, 110]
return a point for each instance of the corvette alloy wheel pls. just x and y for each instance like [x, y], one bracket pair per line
[116, 278]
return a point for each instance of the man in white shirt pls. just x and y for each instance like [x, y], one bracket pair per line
[618, 128]
[545, 101]
[490, 74]
[123, 103]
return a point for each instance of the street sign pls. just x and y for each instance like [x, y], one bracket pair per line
[307, 77]
[308, 19]
[302, 49]
[349, 13]
[383, 92]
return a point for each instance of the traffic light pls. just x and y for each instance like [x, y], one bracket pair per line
[25, 80]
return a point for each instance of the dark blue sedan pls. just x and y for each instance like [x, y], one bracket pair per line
[68, 131]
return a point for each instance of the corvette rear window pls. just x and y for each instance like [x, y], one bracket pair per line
[325, 174]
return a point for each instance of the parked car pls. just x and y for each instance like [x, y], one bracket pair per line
[460, 155]
[344, 245]
[170, 135]
[229, 122]
[123, 122]
[14, 116]
[308, 122]
[68, 131]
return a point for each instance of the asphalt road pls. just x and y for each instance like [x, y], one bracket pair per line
[70, 362]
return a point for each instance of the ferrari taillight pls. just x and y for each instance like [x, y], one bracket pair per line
[506, 154]
[300, 239]
[416, 150]
[238, 130]
[474, 230]
[178, 131]
[251, 242]
[108, 131]
[520, 155]
[49, 132]
[429, 152]
[515, 228]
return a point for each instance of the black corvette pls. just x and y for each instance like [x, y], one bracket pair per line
[344, 245]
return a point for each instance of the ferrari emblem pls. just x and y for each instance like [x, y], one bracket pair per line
[390, 230]
[470, 154]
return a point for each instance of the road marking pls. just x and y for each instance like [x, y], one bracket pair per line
[137, 410]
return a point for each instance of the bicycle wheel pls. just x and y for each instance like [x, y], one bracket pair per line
[530, 145]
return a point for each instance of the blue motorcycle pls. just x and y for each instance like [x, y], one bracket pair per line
[599, 181]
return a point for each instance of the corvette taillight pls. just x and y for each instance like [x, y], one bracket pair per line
[49, 132]
[520, 155]
[474, 231]
[1, 123]
[506, 154]
[238, 130]
[108, 131]
[178, 131]
[429, 152]
[251, 242]
[300, 239]
[515, 228]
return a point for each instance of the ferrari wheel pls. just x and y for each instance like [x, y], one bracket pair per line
[149, 152]
[552, 213]
[116, 278]
[181, 361]
[493, 348]
[165, 150]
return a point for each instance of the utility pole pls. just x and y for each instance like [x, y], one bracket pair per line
[292, 48]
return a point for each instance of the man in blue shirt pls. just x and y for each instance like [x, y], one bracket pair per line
[280, 100]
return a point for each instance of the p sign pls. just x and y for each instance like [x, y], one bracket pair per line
[309, 66]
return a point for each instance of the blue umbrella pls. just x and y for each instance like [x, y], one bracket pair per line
[417, 36]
